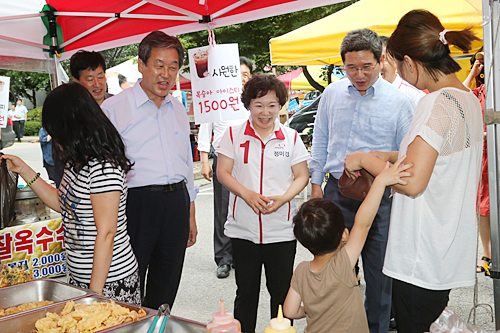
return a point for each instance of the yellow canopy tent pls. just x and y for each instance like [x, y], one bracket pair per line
[318, 43]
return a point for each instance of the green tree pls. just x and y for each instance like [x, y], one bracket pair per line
[253, 37]
[118, 55]
[26, 84]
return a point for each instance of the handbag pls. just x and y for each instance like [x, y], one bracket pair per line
[356, 188]
[8, 189]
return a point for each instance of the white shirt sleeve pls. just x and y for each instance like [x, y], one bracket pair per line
[114, 85]
[299, 153]
[205, 137]
[435, 125]
[226, 144]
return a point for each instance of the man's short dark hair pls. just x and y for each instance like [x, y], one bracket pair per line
[259, 85]
[162, 40]
[361, 40]
[83, 60]
[318, 226]
[246, 62]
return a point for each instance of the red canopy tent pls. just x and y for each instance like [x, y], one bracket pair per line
[103, 24]
[288, 77]
[185, 83]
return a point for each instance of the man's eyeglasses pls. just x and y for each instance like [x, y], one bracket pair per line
[367, 69]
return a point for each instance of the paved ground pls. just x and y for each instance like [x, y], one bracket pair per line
[200, 290]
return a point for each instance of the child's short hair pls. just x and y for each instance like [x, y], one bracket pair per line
[319, 225]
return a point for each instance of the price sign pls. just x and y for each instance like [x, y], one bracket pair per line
[4, 100]
[38, 246]
[216, 83]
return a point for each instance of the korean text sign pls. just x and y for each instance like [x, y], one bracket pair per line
[4, 100]
[216, 83]
[38, 246]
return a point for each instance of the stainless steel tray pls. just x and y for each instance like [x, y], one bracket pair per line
[25, 322]
[174, 324]
[39, 290]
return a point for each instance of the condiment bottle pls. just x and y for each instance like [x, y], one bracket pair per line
[280, 324]
[223, 322]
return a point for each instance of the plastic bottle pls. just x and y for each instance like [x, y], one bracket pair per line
[223, 322]
[280, 324]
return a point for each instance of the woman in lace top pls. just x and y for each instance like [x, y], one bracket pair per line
[431, 247]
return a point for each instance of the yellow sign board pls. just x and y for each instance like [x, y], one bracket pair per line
[38, 246]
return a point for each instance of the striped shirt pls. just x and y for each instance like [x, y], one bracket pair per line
[79, 227]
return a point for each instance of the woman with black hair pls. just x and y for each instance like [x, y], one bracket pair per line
[92, 194]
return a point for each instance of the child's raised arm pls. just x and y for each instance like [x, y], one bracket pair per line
[292, 308]
[368, 210]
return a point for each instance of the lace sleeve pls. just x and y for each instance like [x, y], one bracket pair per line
[452, 125]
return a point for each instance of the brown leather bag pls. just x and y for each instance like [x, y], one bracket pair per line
[356, 189]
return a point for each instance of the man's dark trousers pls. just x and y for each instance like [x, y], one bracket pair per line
[378, 286]
[16, 124]
[21, 128]
[158, 226]
[222, 244]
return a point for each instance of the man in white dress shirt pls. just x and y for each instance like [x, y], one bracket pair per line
[160, 204]
[20, 118]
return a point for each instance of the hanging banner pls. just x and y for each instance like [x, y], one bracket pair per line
[4, 100]
[216, 83]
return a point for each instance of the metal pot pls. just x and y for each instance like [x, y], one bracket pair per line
[29, 208]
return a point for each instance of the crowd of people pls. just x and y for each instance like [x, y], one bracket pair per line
[127, 194]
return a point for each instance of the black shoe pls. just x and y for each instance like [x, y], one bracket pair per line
[223, 271]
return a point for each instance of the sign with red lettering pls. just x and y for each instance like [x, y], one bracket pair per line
[38, 246]
[216, 83]
[4, 100]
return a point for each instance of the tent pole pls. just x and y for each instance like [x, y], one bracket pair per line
[20, 41]
[54, 49]
[230, 8]
[102, 24]
[491, 12]
[173, 8]
[178, 79]
[55, 75]
[138, 16]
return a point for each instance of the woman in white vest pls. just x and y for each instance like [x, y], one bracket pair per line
[264, 165]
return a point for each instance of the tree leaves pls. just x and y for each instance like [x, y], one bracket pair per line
[26, 84]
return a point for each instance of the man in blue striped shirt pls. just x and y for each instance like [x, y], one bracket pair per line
[361, 113]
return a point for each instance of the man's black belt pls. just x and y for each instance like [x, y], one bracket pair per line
[166, 187]
[333, 179]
